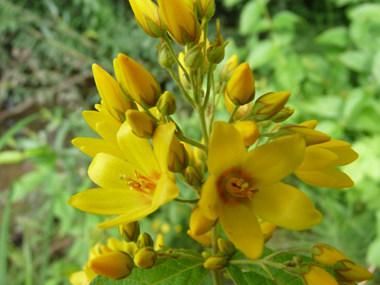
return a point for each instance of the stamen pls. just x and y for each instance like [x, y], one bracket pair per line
[240, 188]
[141, 183]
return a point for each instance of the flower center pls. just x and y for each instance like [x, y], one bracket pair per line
[140, 183]
[240, 188]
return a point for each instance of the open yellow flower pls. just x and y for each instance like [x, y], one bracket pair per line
[132, 188]
[245, 185]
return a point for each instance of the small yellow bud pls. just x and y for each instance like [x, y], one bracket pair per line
[159, 242]
[216, 262]
[141, 84]
[316, 275]
[182, 76]
[327, 255]
[270, 104]
[351, 272]
[241, 87]
[311, 136]
[226, 247]
[199, 223]
[312, 124]
[267, 229]
[165, 58]
[205, 254]
[199, 155]
[148, 16]
[241, 112]
[178, 158]
[205, 9]
[167, 104]
[194, 57]
[249, 130]
[141, 123]
[180, 20]
[193, 176]
[283, 115]
[115, 265]
[190, 152]
[129, 232]
[228, 68]
[144, 240]
[145, 257]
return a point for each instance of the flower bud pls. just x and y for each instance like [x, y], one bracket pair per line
[130, 231]
[267, 229]
[216, 262]
[167, 104]
[205, 254]
[311, 124]
[145, 257]
[180, 21]
[203, 239]
[190, 152]
[144, 240]
[159, 242]
[316, 275]
[249, 131]
[193, 176]
[241, 112]
[241, 87]
[111, 94]
[165, 58]
[182, 76]
[114, 265]
[270, 104]
[194, 57]
[178, 158]
[199, 223]
[228, 68]
[205, 9]
[283, 115]
[142, 85]
[141, 123]
[327, 255]
[226, 247]
[148, 16]
[311, 136]
[351, 272]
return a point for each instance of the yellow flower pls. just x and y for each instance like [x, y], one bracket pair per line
[268, 229]
[268, 105]
[180, 20]
[249, 130]
[242, 186]
[318, 166]
[241, 112]
[203, 239]
[132, 188]
[141, 123]
[241, 86]
[148, 16]
[348, 271]
[316, 275]
[326, 254]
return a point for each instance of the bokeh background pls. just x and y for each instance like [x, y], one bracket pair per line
[327, 53]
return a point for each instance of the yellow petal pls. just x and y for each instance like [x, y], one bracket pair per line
[162, 138]
[317, 158]
[274, 161]
[107, 171]
[108, 129]
[93, 151]
[328, 177]
[166, 190]
[94, 117]
[203, 239]
[138, 151]
[79, 278]
[285, 206]
[226, 149]
[110, 201]
[241, 227]
[346, 155]
[199, 223]
[208, 203]
[115, 244]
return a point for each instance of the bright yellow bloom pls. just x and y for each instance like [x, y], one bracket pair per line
[139, 82]
[199, 223]
[148, 16]
[318, 166]
[327, 255]
[241, 112]
[180, 20]
[243, 186]
[316, 275]
[133, 188]
[241, 86]
[249, 130]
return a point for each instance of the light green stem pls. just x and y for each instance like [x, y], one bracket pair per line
[179, 83]
[215, 274]
[193, 201]
[180, 254]
[209, 73]
[192, 142]
[233, 114]
[300, 249]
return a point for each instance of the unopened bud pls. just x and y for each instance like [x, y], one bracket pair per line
[160, 243]
[269, 105]
[241, 112]
[178, 158]
[193, 57]
[129, 232]
[283, 115]
[141, 123]
[145, 257]
[316, 275]
[166, 104]
[267, 229]
[165, 58]
[327, 255]
[226, 247]
[114, 265]
[144, 240]
[205, 9]
[351, 272]
[228, 68]
[311, 136]
[311, 124]
[241, 87]
[216, 262]
[205, 254]
[199, 223]
[249, 131]
[215, 53]
[193, 176]
[182, 76]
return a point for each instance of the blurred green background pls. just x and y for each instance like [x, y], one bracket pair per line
[327, 53]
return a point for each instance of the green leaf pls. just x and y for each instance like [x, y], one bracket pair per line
[175, 271]
[337, 36]
[373, 256]
[356, 60]
[250, 17]
[285, 19]
[376, 68]
[262, 53]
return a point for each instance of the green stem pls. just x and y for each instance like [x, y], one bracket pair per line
[300, 249]
[266, 262]
[215, 274]
[209, 73]
[192, 142]
[4, 238]
[233, 114]
[202, 119]
[194, 87]
[179, 254]
[269, 135]
[193, 201]
[179, 83]
[200, 74]
[215, 105]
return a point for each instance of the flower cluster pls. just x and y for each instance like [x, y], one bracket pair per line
[236, 172]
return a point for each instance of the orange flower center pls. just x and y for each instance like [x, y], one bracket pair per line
[140, 183]
[238, 187]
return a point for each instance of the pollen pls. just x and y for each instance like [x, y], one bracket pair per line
[240, 188]
[139, 183]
